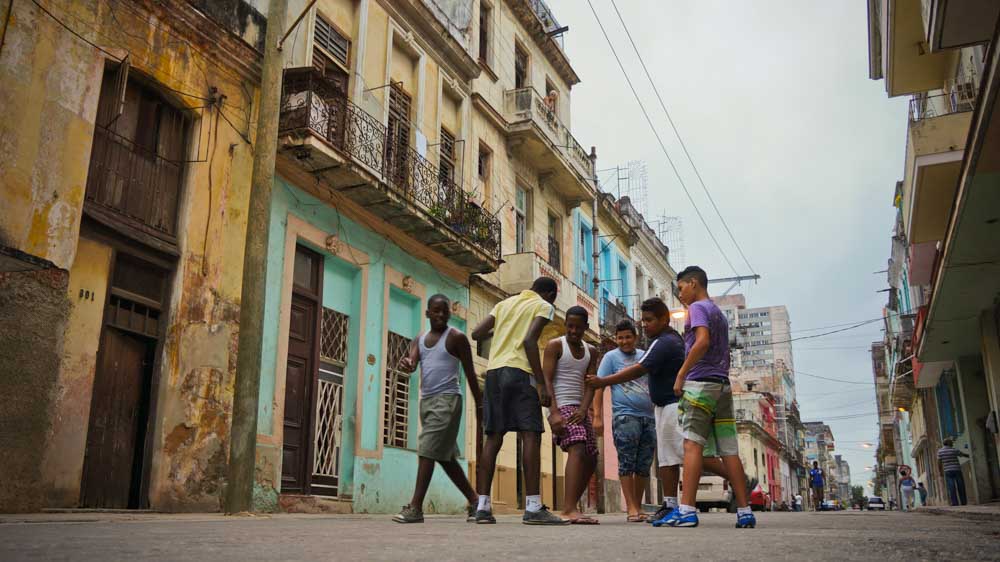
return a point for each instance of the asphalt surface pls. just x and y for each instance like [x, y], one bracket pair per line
[778, 536]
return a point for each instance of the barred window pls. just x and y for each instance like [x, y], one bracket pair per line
[397, 393]
[330, 403]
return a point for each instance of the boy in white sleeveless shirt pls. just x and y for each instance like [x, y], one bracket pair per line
[566, 363]
[439, 353]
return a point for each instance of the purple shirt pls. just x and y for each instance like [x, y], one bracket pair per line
[715, 363]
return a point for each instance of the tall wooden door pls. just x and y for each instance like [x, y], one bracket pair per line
[300, 372]
[116, 420]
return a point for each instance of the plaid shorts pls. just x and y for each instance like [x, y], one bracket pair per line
[582, 432]
[706, 417]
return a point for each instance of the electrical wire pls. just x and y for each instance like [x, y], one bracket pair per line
[832, 379]
[680, 139]
[656, 134]
[74, 32]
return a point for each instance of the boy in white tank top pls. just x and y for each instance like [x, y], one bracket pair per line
[566, 363]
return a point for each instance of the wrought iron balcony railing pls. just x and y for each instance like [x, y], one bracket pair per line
[311, 102]
[923, 106]
[527, 103]
[613, 314]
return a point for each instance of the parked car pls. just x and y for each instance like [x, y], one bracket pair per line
[760, 500]
[829, 505]
[876, 503]
[713, 491]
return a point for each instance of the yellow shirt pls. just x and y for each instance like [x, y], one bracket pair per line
[513, 318]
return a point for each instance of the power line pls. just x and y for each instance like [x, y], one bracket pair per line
[831, 379]
[851, 327]
[71, 30]
[656, 133]
[680, 139]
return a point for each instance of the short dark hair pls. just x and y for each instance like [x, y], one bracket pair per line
[626, 326]
[438, 297]
[578, 311]
[545, 285]
[656, 306]
[948, 442]
[694, 272]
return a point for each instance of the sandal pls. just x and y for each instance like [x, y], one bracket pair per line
[640, 518]
[584, 521]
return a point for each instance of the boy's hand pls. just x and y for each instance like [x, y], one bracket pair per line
[598, 426]
[576, 417]
[557, 423]
[544, 397]
[407, 365]
[593, 381]
[679, 387]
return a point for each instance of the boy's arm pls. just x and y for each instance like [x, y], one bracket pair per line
[597, 407]
[629, 373]
[552, 352]
[534, 359]
[485, 329]
[459, 346]
[588, 391]
[698, 350]
[409, 362]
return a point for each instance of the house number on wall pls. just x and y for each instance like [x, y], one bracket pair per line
[86, 294]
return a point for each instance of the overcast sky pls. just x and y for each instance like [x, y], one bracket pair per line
[800, 150]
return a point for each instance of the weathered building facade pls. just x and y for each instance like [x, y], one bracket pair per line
[125, 168]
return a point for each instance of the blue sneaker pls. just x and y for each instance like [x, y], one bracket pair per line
[746, 521]
[678, 519]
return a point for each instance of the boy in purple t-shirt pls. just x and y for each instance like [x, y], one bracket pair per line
[706, 405]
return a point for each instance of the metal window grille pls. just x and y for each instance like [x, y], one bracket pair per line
[330, 403]
[397, 393]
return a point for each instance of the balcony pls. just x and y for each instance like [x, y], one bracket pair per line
[546, 144]
[518, 271]
[330, 139]
[939, 125]
[541, 24]
[898, 45]
[951, 24]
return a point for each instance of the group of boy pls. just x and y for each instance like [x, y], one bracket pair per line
[673, 399]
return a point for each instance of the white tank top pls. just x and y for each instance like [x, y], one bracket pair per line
[438, 368]
[570, 373]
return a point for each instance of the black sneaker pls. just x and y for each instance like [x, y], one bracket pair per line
[484, 517]
[470, 511]
[543, 517]
[660, 513]
[409, 515]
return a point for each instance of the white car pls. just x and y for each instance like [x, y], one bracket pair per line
[875, 503]
[713, 491]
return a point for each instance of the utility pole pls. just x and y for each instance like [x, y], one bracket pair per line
[243, 434]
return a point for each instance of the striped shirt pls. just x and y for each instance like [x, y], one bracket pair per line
[948, 456]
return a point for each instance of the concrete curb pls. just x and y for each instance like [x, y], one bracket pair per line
[975, 515]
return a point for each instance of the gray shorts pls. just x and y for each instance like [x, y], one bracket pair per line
[511, 403]
[440, 420]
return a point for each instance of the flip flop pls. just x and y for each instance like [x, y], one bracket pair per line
[641, 518]
[584, 521]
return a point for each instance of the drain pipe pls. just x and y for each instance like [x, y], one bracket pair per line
[599, 471]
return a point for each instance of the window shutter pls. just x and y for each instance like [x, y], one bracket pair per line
[336, 45]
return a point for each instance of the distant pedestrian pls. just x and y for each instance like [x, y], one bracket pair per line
[798, 502]
[923, 493]
[817, 483]
[948, 457]
[566, 363]
[439, 352]
[515, 393]
[907, 491]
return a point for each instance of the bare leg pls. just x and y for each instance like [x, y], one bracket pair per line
[692, 471]
[715, 466]
[628, 490]
[734, 467]
[670, 476]
[531, 449]
[458, 477]
[579, 468]
[639, 489]
[488, 463]
[425, 470]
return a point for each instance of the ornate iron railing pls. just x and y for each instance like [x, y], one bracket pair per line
[526, 103]
[310, 102]
[613, 314]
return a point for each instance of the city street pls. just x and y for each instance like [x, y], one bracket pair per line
[779, 536]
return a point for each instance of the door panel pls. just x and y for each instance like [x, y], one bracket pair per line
[111, 462]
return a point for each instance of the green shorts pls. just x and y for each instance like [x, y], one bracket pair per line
[706, 417]
[440, 420]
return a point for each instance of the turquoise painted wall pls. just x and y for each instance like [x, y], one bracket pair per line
[378, 485]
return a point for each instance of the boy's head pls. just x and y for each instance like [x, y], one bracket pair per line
[815, 464]
[948, 442]
[546, 287]
[438, 311]
[577, 319]
[625, 336]
[655, 316]
[692, 284]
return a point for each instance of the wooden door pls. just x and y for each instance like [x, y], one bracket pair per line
[398, 129]
[300, 372]
[113, 458]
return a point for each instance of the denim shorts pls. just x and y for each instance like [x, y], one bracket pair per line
[635, 441]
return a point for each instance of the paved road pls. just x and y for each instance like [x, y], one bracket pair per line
[779, 536]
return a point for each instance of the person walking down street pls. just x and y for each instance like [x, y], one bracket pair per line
[923, 493]
[515, 393]
[948, 457]
[567, 362]
[816, 482]
[439, 352]
[798, 502]
[907, 492]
